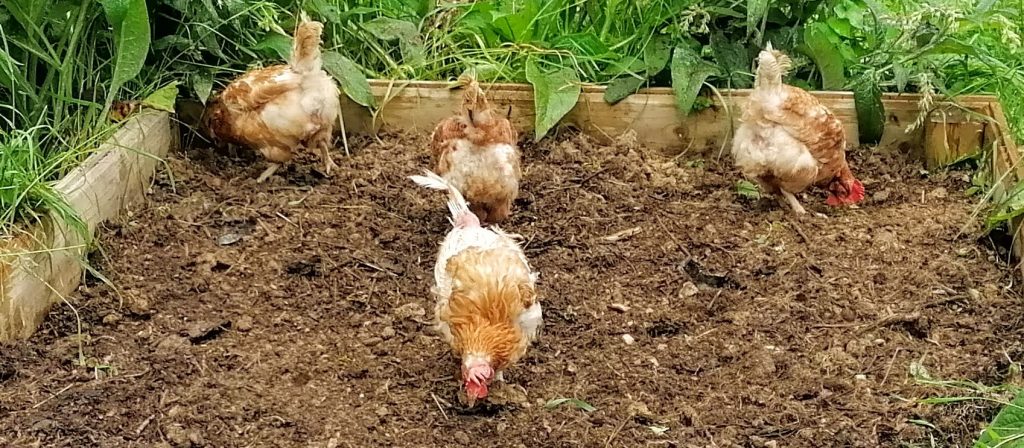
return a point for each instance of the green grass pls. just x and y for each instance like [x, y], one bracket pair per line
[26, 187]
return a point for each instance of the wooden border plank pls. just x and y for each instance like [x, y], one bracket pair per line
[42, 265]
[419, 105]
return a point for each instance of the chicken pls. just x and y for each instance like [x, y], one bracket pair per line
[487, 307]
[277, 109]
[476, 152]
[789, 141]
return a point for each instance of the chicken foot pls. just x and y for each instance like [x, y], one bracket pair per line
[325, 155]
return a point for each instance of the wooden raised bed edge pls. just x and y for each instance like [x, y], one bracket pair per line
[948, 133]
[41, 265]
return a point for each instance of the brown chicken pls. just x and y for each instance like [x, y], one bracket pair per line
[476, 152]
[487, 307]
[280, 108]
[789, 141]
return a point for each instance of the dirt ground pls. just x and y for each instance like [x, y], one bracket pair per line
[296, 313]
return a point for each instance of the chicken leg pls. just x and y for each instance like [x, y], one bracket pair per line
[321, 144]
[275, 156]
[789, 199]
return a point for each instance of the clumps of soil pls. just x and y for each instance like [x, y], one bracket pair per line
[297, 312]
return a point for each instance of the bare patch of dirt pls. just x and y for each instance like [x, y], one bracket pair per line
[296, 313]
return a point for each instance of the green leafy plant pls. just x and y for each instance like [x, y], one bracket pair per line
[574, 402]
[1007, 428]
[747, 190]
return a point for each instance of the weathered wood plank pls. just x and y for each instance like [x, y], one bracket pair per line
[41, 265]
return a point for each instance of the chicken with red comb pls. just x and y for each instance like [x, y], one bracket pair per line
[486, 301]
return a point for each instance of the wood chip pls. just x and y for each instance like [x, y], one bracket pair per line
[622, 234]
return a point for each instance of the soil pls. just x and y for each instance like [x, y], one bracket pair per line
[297, 313]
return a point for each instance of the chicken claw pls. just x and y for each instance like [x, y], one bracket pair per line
[329, 165]
[790, 200]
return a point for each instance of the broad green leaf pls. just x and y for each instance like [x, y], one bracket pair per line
[1010, 206]
[325, 9]
[689, 72]
[1007, 428]
[388, 29]
[825, 55]
[727, 12]
[622, 87]
[202, 85]
[983, 8]
[733, 57]
[951, 46]
[579, 404]
[587, 44]
[406, 33]
[130, 22]
[841, 27]
[518, 26]
[628, 64]
[164, 98]
[867, 98]
[747, 189]
[353, 81]
[756, 10]
[657, 53]
[555, 94]
[275, 45]
[901, 75]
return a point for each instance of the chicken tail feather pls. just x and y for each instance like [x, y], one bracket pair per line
[772, 65]
[474, 102]
[306, 47]
[462, 216]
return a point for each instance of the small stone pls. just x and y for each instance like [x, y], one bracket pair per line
[688, 290]
[43, 425]
[243, 323]
[628, 339]
[382, 411]
[461, 438]
[860, 377]
[974, 294]
[111, 318]
[618, 307]
[177, 436]
[171, 343]
[410, 311]
[228, 239]
[881, 196]
[196, 438]
[938, 193]
[879, 341]
[387, 333]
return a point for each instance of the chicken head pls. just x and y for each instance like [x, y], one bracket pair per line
[844, 192]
